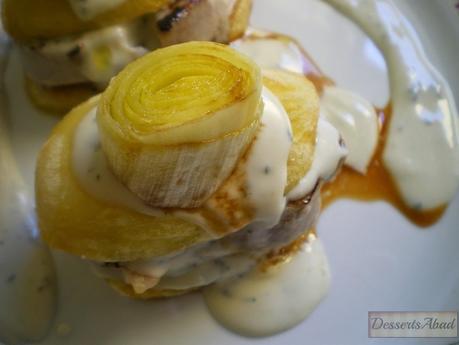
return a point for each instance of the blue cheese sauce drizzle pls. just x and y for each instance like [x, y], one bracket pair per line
[422, 146]
[267, 163]
[273, 300]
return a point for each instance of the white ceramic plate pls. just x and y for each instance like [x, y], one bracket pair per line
[379, 261]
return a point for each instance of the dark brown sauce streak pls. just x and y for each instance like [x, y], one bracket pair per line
[377, 183]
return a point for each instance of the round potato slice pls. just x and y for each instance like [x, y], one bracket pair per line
[43, 19]
[72, 220]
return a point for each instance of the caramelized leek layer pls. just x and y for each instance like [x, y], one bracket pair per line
[42, 19]
[174, 123]
[301, 101]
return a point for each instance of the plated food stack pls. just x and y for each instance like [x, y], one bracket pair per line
[178, 175]
[70, 49]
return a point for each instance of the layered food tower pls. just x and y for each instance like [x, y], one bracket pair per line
[194, 166]
[70, 49]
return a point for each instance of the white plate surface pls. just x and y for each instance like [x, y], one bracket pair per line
[379, 261]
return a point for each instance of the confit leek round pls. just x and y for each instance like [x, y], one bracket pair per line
[174, 123]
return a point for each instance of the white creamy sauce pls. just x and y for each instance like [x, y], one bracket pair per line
[356, 120]
[271, 52]
[27, 276]
[108, 51]
[328, 153]
[88, 9]
[263, 303]
[105, 52]
[92, 170]
[422, 148]
[94, 56]
[266, 167]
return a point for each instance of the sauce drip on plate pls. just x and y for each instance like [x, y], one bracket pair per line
[376, 184]
[421, 149]
[273, 298]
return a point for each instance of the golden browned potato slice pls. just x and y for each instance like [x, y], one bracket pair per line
[299, 97]
[58, 100]
[75, 221]
[30, 19]
[72, 220]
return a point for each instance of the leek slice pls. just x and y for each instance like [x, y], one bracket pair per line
[174, 123]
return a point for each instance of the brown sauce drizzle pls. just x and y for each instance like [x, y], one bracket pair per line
[377, 184]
